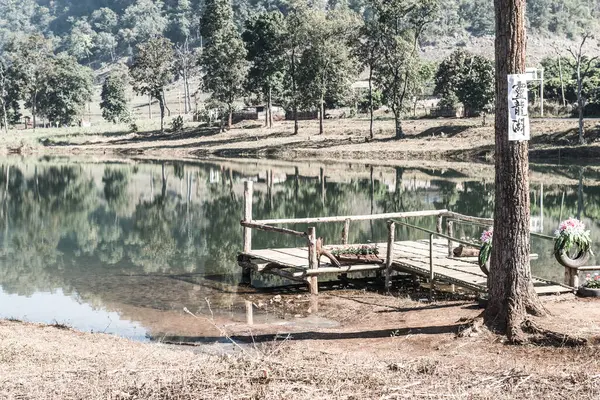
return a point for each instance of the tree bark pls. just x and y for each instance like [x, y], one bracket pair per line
[270, 107]
[321, 113]
[229, 117]
[580, 100]
[562, 83]
[33, 113]
[398, 124]
[371, 101]
[294, 94]
[161, 103]
[164, 99]
[4, 116]
[511, 293]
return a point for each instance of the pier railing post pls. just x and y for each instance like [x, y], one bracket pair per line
[390, 254]
[450, 232]
[431, 273]
[346, 232]
[313, 262]
[439, 225]
[248, 194]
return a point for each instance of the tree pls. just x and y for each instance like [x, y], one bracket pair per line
[467, 77]
[180, 21]
[65, 90]
[223, 58]
[152, 70]
[368, 52]
[400, 23]
[143, 21]
[265, 39]
[297, 22]
[81, 40]
[186, 67]
[9, 95]
[582, 66]
[114, 103]
[32, 61]
[326, 67]
[511, 293]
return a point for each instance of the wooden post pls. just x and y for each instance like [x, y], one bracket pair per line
[572, 277]
[313, 262]
[346, 232]
[450, 232]
[249, 313]
[438, 227]
[431, 274]
[248, 194]
[390, 254]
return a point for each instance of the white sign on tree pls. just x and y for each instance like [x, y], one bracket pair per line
[518, 116]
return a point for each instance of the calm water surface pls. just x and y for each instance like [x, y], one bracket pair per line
[124, 247]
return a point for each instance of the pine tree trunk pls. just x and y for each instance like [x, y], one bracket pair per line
[398, 124]
[580, 101]
[229, 117]
[321, 114]
[511, 293]
[161, 103]
[270, 107]
[4, 116]
[371, 102]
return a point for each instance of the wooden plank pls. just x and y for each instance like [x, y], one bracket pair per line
[370, 217]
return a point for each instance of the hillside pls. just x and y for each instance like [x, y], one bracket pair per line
[101, 31]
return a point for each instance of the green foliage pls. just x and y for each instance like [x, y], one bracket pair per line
[143, 21]
[363, 102]
[364, 250]
[177, 124]
[152, 70]
[468, 78]
[564, 242]
[114, 103]
[265, 44]
[223, 58]
[65, 90]
[484, 253]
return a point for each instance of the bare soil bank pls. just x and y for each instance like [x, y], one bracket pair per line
[384, 348]
[344, 139]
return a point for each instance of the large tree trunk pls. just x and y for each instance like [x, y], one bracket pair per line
[321, 114]
[229, 117]
[511, 293]
[270, 107]
[161, 103]
[580, 104]
[371, 102]
[294, 94]
[4, 116]
[398, 124]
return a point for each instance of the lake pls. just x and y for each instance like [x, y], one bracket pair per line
[124, 246]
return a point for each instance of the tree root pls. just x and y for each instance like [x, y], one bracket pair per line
[470, 327]
[544, 337]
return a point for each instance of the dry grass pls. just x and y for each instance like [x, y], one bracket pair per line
[43, 362]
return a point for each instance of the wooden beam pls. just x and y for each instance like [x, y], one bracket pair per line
[409, 214]
[390, 254]
[313, 261]
[248, 194]
[268, 228]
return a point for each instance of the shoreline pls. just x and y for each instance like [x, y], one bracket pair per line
[454, 140]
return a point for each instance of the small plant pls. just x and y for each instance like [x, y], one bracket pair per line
[356, 250]
[177, 124]
[572, 233]
[133, 127]
[592, 281]
[486, 247]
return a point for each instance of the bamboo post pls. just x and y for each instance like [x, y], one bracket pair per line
[390, 253]
[346, 232]
[450, 232]
[248, 193]
[249, 313]
[431, 274]
[313, 262]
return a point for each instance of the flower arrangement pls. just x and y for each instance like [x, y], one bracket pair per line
[486, 246]
[592, 282]
[572, 232]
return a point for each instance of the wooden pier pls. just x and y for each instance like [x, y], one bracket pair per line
[431, 258]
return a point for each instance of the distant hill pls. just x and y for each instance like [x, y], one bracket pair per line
[99, 31]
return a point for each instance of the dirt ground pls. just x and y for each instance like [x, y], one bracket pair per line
[383, 347]
[344, 139]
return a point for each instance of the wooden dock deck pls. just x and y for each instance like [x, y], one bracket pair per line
[408, 256]
[431, 258]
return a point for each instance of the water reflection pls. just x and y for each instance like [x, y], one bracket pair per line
[145, 240]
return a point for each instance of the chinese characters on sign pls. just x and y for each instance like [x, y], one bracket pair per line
[518, 117]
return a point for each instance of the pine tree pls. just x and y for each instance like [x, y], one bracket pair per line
[114, 103]
[152, 70]
[265, 38]
[223, 58]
